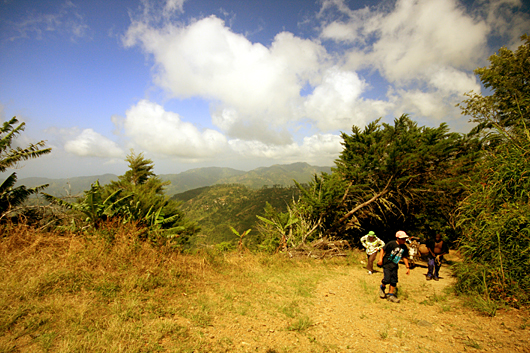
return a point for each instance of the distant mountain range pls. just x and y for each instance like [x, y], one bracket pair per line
[276, 175]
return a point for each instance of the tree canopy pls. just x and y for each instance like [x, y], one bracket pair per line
[393, 176]
[508, 77]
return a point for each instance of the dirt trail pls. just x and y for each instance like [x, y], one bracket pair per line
[351, 317]
[348, 316]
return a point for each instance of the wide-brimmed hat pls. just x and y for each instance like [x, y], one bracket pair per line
[371, 233]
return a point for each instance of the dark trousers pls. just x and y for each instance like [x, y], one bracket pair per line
[370, 261]
[433, 267]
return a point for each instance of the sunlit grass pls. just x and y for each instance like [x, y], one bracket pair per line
[82, 292]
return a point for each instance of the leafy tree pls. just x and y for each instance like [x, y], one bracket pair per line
[508, 107]
[140, 170]
[393, 176]
[147, 204]
[495, 218]
[137, 197]
[495, 223]
[11, 196]
[93, 206]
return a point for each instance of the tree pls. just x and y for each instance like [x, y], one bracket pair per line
[137, 197]
[400, 176]
[11, 196]
[147, 204]
[388, 177]
[140, 170]
[93, 206]
[508, 107]
[495, 218]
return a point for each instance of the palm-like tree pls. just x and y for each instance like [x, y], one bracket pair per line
[11, 196]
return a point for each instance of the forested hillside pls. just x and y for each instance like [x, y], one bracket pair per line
[217, 208]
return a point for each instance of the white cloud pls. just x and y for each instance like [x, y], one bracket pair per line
[174, 5]
[424, 52]
[504, 20]
[337, 104]
[152, 128]
[452, 81]
[206, 59]
[92, 144]
[420, 34]
[319, 149]
[405, 38]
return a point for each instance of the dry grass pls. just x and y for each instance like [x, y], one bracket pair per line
[107, 292]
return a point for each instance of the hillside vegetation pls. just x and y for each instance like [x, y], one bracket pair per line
[107, 292]
[217, 208]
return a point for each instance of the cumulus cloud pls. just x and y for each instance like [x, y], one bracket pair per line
[413, 36]
[260, 94]
[317, 149]
[92, 144]
[425, 50]
[152, 128]
[336, 103]
[207, 59]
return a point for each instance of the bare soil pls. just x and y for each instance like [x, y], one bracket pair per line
[345, 314]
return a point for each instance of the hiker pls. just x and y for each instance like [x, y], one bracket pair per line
[437, 250]
[389, 258]
[372, 244]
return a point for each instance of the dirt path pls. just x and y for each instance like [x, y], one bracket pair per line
[348, 316]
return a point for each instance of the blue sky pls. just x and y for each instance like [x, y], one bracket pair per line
[241, 84]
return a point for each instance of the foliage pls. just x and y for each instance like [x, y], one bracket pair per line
[291, 229]
[149, 207]
[93, 206]
[137, 197]
[508, 107]
[390, 177]
[10, 196]
[495, 218]
[495, 221]
[240, 245]
[217, 208]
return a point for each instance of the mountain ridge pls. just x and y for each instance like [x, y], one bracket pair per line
[275, 175]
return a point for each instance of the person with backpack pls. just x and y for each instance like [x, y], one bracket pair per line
[389, 258]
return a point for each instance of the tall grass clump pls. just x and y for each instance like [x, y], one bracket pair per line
[495, 221]
[98, 291]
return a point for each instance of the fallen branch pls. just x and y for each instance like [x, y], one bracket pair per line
[375, 197]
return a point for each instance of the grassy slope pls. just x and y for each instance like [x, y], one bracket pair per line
[109, 293]
[83, 293]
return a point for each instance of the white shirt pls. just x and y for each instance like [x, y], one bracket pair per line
[372, 246]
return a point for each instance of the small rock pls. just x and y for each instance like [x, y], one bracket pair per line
[423, 323]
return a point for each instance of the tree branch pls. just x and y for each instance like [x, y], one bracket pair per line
[375, 197]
